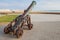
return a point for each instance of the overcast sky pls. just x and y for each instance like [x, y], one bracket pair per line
[23, 4]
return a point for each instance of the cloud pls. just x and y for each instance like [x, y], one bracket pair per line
[23, 4]
[4, 4]
[47, 5]
[51, 6]
[13, 5]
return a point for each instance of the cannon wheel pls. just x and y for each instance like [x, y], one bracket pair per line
[19, 32]
[30, 25]
[6, 31]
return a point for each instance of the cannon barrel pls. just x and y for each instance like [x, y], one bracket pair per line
[29, 8]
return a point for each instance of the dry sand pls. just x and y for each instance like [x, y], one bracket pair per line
[46, 27]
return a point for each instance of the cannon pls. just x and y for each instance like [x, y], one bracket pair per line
[16, 26]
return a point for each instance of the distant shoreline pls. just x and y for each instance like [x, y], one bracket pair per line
[30, 12]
